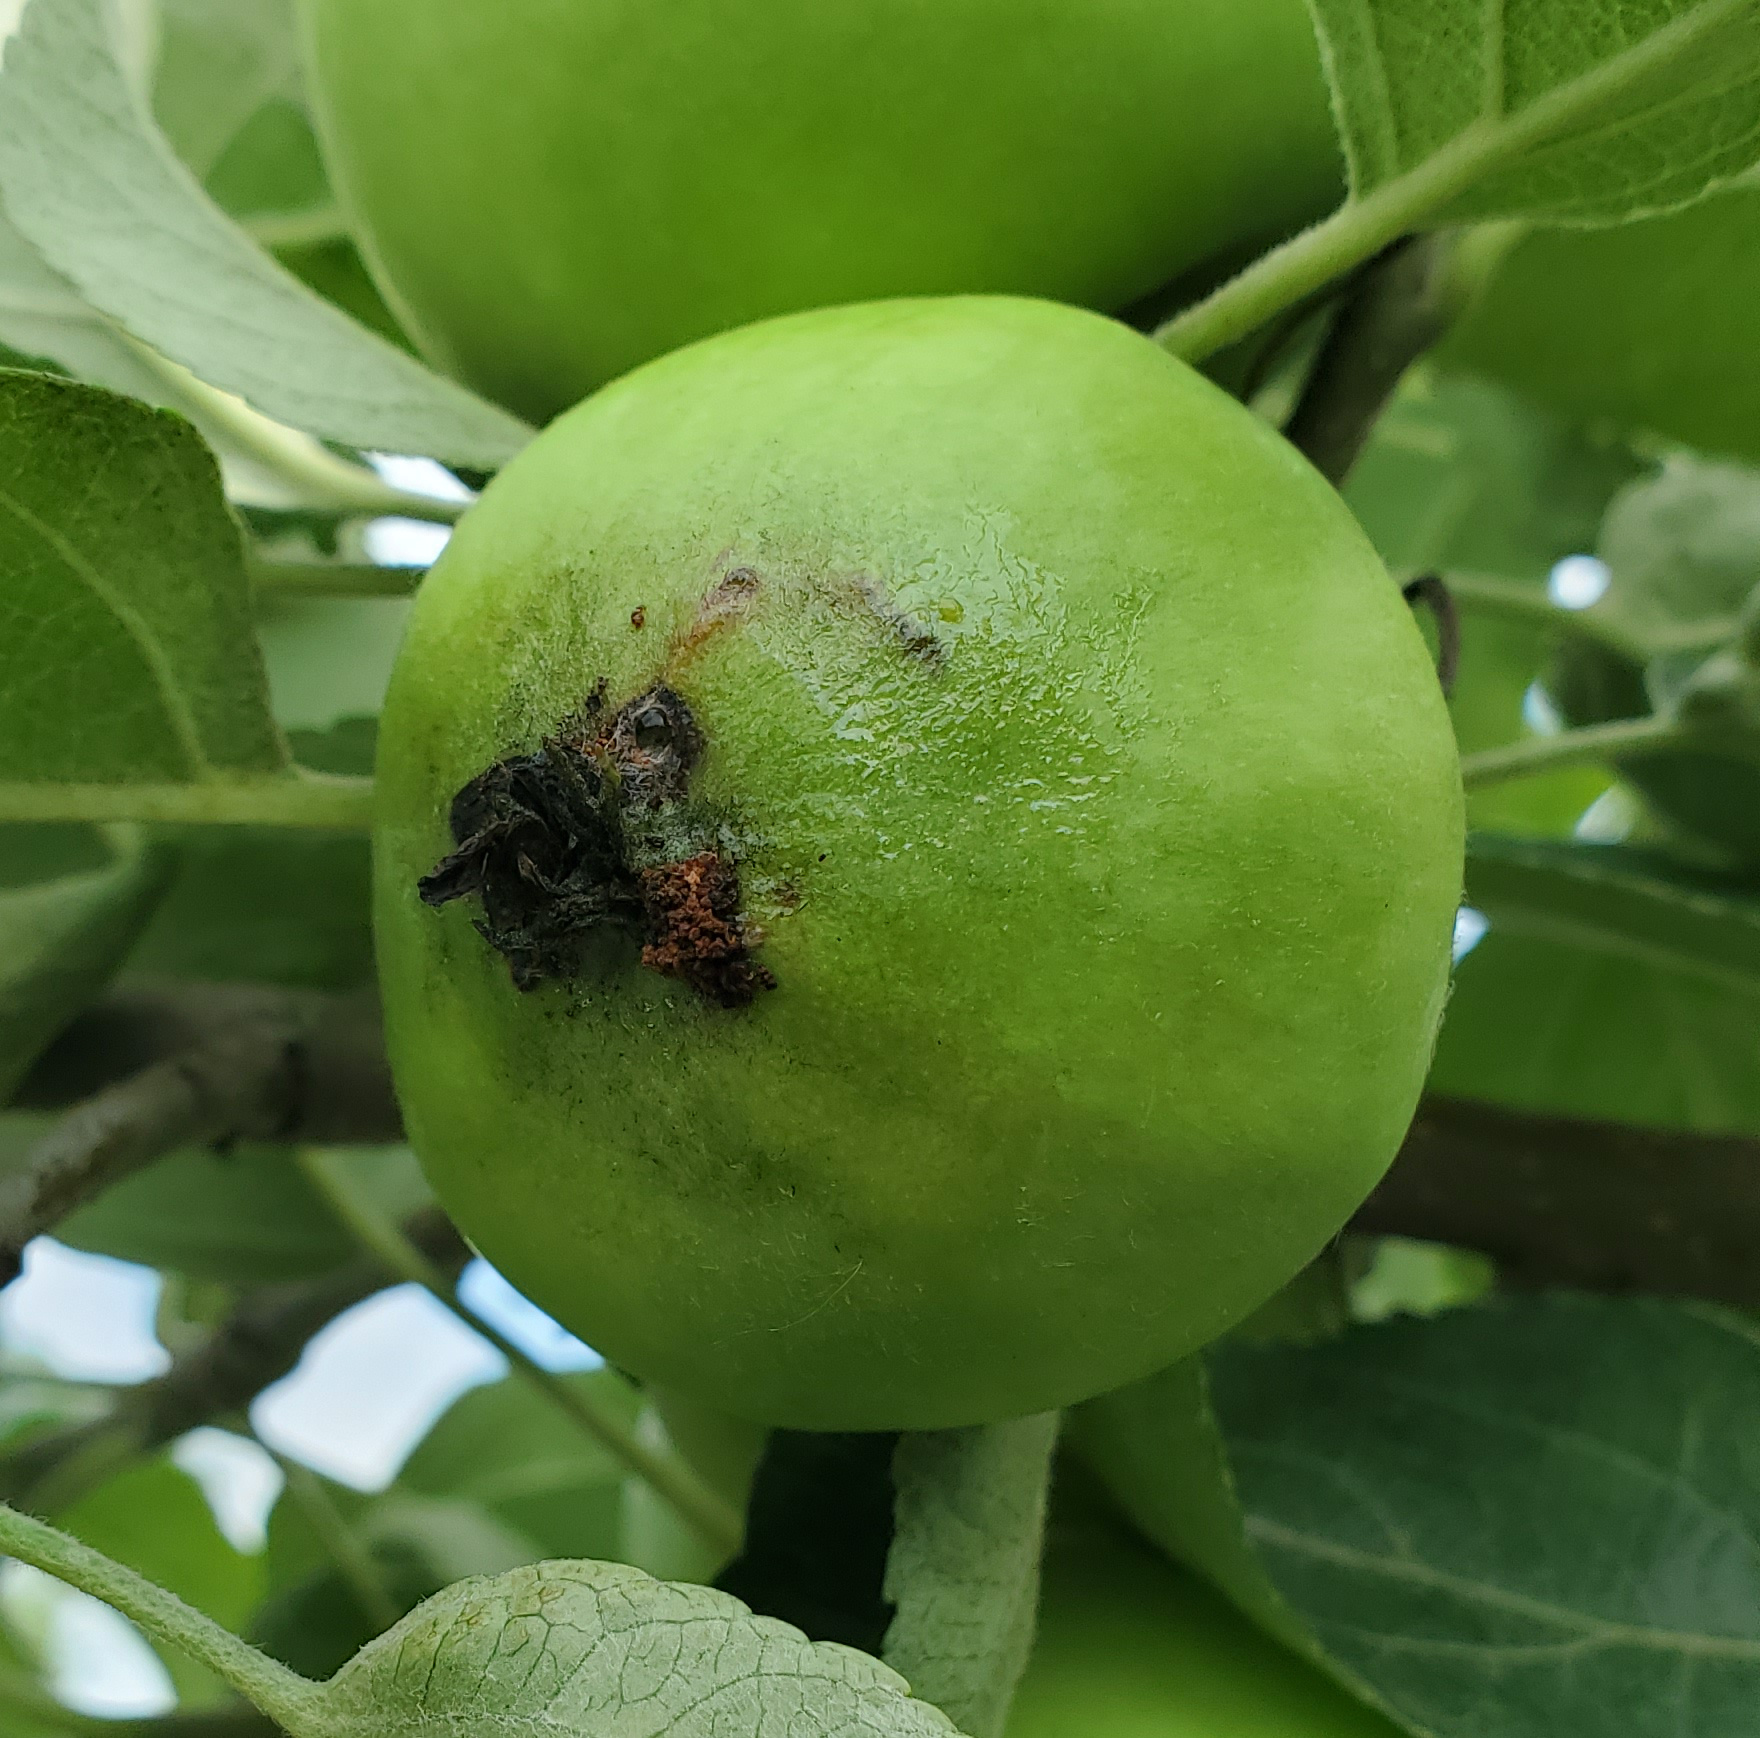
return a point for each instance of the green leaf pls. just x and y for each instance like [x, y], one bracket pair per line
[1411, 1278]
[1463, 476]
[578, 1647]
[244, 1217]
[271, 905]
[130, 681]
[1683, 552]
[1613, 984]
[331, 1587]
[334, 269]
[1628, 904]
[598, 1647]
[42, 314]
[229, 92]
[1645, 325]
[454, 1536]
[126, 650]
[343, 1567]
[1157, 1450]
[61, 940]
[723, 1451]
[329, 659]
[510, 1449]
[29, 1712]
[1132, 1646]
[1552, 112]
[221, 64]
[963, 1571]
[93, 184]
[1555, 110]
[317, 1625]
[1525, 1519]
[1500, 662]
[43, 317]
[33, 1404]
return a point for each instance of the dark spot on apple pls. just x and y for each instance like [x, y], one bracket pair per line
[693, 910]
[594, 831]
[726, 603]
[653, 745]
[912, 636]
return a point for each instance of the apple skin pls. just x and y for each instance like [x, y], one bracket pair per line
[1110, 939]
[1648, 325]
[552, 191]
[1129, 1646]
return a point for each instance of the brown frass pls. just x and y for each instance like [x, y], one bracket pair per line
[593, 831]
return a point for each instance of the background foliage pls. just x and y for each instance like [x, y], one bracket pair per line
[1475, 1508]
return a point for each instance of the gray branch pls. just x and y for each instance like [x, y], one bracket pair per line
[1396, 308]
[255, 1346]
[153, 1070]
[234, 1086]
[1555, 1200]
[1598, 1206]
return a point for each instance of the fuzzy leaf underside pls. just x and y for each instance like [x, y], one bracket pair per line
[126, 647]
[596, 1647]
[963, 1572]
[90, 180]
[1664, 99]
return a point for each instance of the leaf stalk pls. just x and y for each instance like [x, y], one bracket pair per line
[287, 1698]
[1363, 226]
[1592, 742]
[320, 802]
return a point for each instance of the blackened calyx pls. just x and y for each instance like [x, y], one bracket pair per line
[593, 830]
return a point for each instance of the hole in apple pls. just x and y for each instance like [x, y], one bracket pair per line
[594, 831]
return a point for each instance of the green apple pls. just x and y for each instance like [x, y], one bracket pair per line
[551, 191]
[1130, 1646]
[1649, 325]
[916, 856]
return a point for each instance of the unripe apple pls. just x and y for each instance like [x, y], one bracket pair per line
[1648, 325]
[1131, 1647]
[916, 857]
[551, 191]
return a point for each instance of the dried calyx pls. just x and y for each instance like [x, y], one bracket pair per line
[593, 831]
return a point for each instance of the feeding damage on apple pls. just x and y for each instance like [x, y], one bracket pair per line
[593, 831]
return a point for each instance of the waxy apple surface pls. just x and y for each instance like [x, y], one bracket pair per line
[551, 191]
[1073, 826]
